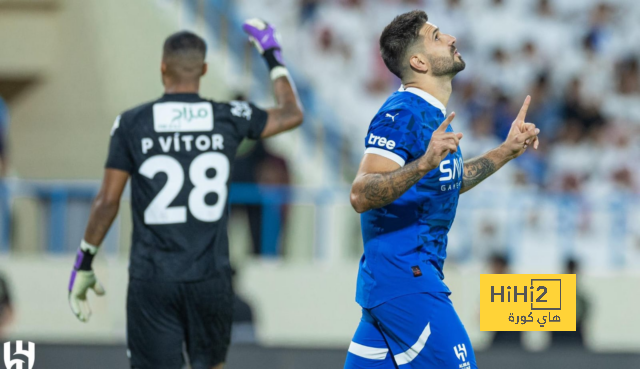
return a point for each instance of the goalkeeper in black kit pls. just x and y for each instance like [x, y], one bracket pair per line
[178, 151]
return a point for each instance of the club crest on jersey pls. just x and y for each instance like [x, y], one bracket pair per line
[182, 117]
[241, 109]
[461, 353]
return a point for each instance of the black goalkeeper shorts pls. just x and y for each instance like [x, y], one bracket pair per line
[164, 317]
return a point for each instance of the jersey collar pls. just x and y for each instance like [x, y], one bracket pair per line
[427, 97]
[186, 97]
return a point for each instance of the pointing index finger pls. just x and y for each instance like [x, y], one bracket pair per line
[523, 111]
[445, 124]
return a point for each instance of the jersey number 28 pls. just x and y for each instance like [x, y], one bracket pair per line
[159, 211]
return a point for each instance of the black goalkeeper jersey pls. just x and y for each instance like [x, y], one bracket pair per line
[178, 150]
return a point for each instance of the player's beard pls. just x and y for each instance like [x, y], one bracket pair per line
[446, 66]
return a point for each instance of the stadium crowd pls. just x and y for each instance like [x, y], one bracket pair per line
[574, 58]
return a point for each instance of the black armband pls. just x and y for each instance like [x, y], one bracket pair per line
[85, 255]
[273, 57]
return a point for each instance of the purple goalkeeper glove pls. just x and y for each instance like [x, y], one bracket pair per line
[264, 37]
[83, 279]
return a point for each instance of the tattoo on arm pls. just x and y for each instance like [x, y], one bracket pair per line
[380, 189]
[475, 171]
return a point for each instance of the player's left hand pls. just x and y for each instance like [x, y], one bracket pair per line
[81, 282]
[522, 134]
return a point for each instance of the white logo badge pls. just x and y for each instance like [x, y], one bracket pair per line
[382, 142]
[30, 354]
[241, 109]
[393, 117]
[182, 117]
[461, 351]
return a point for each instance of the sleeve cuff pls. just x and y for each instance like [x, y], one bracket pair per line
[387, 154]
[122, 167]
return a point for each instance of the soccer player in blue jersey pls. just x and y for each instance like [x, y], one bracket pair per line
[407, 190]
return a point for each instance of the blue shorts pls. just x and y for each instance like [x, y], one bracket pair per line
[414, 331]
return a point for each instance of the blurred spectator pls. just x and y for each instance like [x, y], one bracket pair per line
[480, 137]
[544, 9]
[6, 307]
[571, 160]
[4, 125]
[381, 81]
[308, 10]
[575, 338]
[628, 77]
[499, 264]
[618, 176]
[503, 113]
[622, 104]
[500, 68]
[600, 29]
[574, 58]
[256, 164]
[593, 69]
[545, 110]
[584, 115]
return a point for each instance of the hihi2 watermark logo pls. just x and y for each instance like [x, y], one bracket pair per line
[527, 302]
[17, 363]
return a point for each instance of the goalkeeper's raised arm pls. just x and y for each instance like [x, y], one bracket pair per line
[288, 113]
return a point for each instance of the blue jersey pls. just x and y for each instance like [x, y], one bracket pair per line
[405, 242]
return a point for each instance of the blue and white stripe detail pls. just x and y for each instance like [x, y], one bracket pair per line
[367, 352]
[413, 352]
[380, 353]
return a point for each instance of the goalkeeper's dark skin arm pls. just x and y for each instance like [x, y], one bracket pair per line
[288, 112]
[106, 205]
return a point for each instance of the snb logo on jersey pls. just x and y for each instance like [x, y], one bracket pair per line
[451, 171]
[29, 354]
[182, 117]
[381, 141]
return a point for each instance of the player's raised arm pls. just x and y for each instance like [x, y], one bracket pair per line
[288, 112]
[520, 136]
[381, 180]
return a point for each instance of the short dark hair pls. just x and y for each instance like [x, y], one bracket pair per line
[184, 54]
[571, 265]
[500, 259]
[398, 37]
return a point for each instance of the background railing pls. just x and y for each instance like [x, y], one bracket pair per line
[562, 225]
